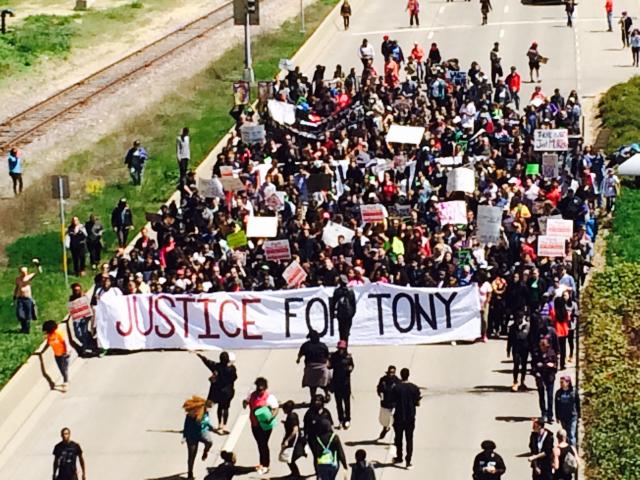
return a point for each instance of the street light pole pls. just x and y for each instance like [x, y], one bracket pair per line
[248, 67]
[302, 27]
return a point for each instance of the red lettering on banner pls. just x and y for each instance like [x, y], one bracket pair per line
[127, 332]
[136, 317]
[246, 322]
[207, 323]
[221, 319]
[165, 317]
[185, 313]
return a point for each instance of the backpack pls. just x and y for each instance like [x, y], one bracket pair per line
[327, 457]
[570, 463]
[344, 308]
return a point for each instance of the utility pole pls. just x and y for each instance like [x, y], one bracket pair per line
[248, 67]
[302, 27]
[60, 191]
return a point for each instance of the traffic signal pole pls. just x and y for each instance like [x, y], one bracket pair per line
[248, 64]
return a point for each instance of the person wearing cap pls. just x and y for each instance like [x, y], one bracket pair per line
[341, 364]
[122, 222]
[343, 307]
[567, 403]
[488, 465]
[541, 451]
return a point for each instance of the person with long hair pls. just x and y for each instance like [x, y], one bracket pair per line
[561, 322]
[221, 389]
[263, 409]
[196, 429]
[228, 468]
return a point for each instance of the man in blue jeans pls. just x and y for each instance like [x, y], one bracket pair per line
[567, 403]
[545, 367]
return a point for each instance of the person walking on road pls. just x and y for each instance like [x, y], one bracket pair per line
[569, 8]
[16, 165]
[221, 389]
[23, 299]
[514, 81]
[611, 190]
[634, 41]
[343, 304]
[406, 397]
[417, 52]
[341, 364]
[413, 7]
[183, 153]
[545, 367]
[263, 408]
[541, 451]
[565, 458]
[328, 452]
[316, 368]
[66, 455]
[534, 61]
[625, 28]
[316, 413]
[496, 66]
[56, 340]
[122, 222]
[345, 12]
[518, 345]
[366, 53]
[293, 443]
[196, 429]
[485, 8]
[94, 229]
[385, 388]
[567, 403]
[488, 465]
[228, 468]
[561, 323]
[608, 8]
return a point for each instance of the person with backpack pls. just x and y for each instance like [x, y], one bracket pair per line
[567, 403]
[196, 429]
[565, 458]
[384, 389]
[263, 410]
[313, 418]
[343, 304]
[362, 470]
[518, 344]
[341, 364]
[488, 465]
[328, 452]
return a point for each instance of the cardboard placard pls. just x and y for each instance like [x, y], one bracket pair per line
[282, 112]
[210, 188]
[532, 169]
[275, 201]
[232, 184]
[454, 213]
[237, 239]
[449, 161]
[251, 134]
[461, 180]
[80, 308]
[489, 222]
[372, 213]
[262, 227]
[226, 171]
[405, 134]
[402, 211]
[555, 139]
[549, 246]
[294, 274]
[276, 250]
[549, 165]
[559, 228]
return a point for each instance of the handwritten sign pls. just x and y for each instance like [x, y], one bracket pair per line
[262, 227]
[556, 139]
[80, 308]
[549, 165]
[454, 213]
[549, 246]
[237, 239]
[277, 250]
[559, 228]
[372, 213]
[461, 180]
[489, 221]
[294, 274]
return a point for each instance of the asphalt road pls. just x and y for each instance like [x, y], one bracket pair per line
[125, 410]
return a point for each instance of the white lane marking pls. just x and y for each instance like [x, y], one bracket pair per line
[506, 9]
[236, 431]
[430, 36]
[459, 27]
[501, 34]
[441, 9]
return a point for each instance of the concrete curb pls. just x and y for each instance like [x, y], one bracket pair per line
[31, 384]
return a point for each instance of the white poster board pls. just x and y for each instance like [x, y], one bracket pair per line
[454, 213]
[375, 213]
[282, 112]
[405, 134]
[549, 246]
[554, 139]
[262, 227]
[294, 274]
[332, 231]
[557, 227]
[489, 222]
[277, 250]
[210, 188]
[461, 180]
[251, 134]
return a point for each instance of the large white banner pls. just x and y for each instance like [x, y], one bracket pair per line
[385, 315]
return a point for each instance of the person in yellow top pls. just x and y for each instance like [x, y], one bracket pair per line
[58, 343]
[520, 210]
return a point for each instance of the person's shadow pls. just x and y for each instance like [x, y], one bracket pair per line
[43, 370]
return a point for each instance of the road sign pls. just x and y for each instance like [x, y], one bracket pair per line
[57, 185]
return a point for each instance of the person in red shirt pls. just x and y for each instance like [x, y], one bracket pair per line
[608, 6]
[554, 194]
[560, 321]
[262, 427]
[58, 343]
[513, 81]
[417, 52]
[391, 73]
[413, 7]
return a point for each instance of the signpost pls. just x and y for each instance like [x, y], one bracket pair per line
[60, 191]
[247, 13]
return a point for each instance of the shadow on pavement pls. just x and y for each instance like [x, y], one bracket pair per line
[365, 442]
[490, 389]
[43, 370]
[503, 370]
[177, 476]
[512, 419]
[151, 430]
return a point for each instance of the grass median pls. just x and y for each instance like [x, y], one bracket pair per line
[99, 178]
[611, 313]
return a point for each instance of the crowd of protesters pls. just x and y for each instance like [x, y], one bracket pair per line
[327, 163]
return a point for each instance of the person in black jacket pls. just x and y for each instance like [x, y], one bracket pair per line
[324, 443]
[341, 363]
[518, 344]
[221, 389]
[122, 222]
[316, 414]
[78, 245]
[343, 307]
[384, 389]
[541, 448]
[406, 397]
[228, 468]
[362, 470]
[488, 465]
[567, 403]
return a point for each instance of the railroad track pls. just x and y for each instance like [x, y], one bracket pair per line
[24, 127]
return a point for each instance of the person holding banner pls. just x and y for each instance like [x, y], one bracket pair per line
[81, 315]
[343, 306]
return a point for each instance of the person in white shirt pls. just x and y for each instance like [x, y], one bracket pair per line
[366, 53]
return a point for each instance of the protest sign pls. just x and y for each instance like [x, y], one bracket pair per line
[277, 250]
[372, 213]
[402, 211]
[454, 213]
[549, 246]
[556, 139]
[231, 184]
[549, 165]
[237, 239]
[251, 134]
[226, 171]
[241, 92]
[282, 112]
[532, 169]
[461, 180]
[399, 161]
[294, 274]
[385, 315]
[489, 222]
[332, 231]
[210, 188]
[80, 308]
[262, 227]
[557, 227]
[275, 201]
[449, 161]
[405, 134]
